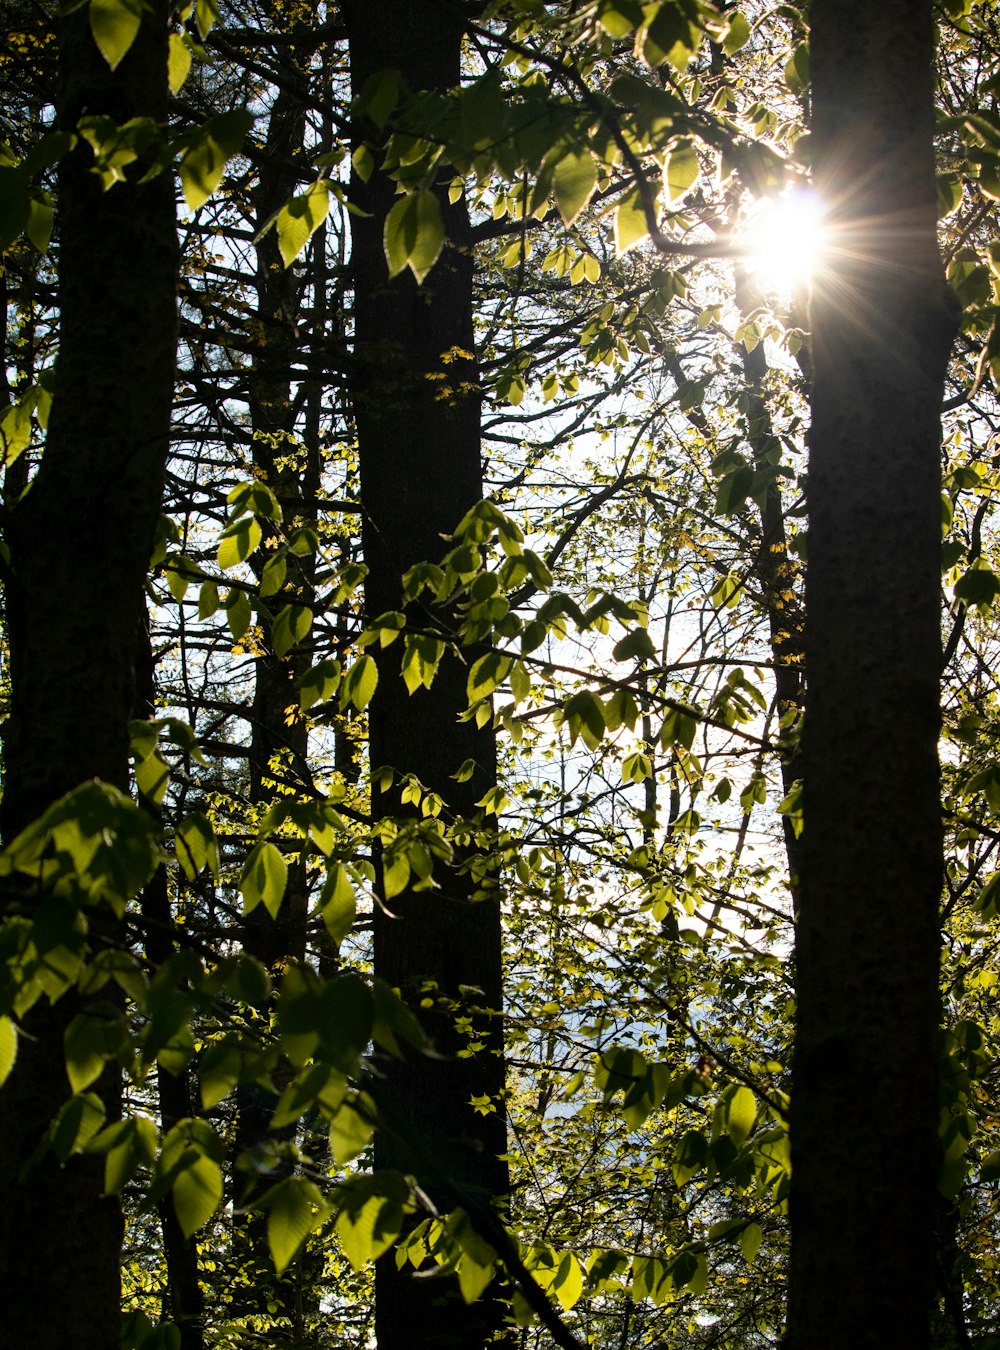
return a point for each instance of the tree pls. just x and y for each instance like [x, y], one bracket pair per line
[563, 727]
[867, 937]
[416, 386]
[95, 497]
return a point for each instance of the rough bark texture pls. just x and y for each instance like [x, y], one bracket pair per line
[80, 542]
[420, 472]
[865, 1103]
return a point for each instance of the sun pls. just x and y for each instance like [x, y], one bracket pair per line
[784, 240]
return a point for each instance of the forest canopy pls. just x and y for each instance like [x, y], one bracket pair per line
[501, 749]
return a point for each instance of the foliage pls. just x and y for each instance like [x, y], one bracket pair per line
[629, 596]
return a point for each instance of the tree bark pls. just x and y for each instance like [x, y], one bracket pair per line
[421, 470]
[79, 542]
[865, 1097]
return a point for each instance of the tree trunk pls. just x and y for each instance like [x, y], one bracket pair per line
[865, 1098]
[80, 542]
[420, 472]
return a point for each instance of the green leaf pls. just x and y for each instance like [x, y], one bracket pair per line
[414, 234]
[238, 541]
[264, 877]
[295, 1207]
[41, 218]
[300, 219]
[682, 169]
[979, 585]
[218, 1072]
[371, 1215]
[196, 845]
[359, 683]
[568, 1283]
[338, 903]
[636, 645]
[91, 1038]
[750, 1240]
[289, 627]
[573, 183]
[630, 221]
[319, 683]
[8, 1048]
[738, 35]
[197, 1191]
[351, 1129]
[178, 61]
[237, 613]
[739, 1110]
[115, 24]
[209, 148]
[76, 1124]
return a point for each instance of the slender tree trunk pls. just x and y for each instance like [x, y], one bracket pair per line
[79, 545]
[865, 1097]
[420, 472]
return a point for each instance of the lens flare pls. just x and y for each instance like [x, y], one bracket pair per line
[784, 240]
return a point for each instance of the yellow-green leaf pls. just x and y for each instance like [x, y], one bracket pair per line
[197, 1192]
[630, 221]
[573, 183]
[265, 875]
[294, 1208]
[8, 1048]
[178, 61]
[300, 219]
[682, 169]
[114, 24]
[414, 234]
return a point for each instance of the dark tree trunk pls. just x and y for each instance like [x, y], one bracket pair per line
[80, 542]
[865, 1099]
[420, 472]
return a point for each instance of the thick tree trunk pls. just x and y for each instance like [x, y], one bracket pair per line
[79, 545]
[420, 472]
[865, 1102]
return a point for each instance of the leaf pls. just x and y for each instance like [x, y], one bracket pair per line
[90, 1039]
[295, 1207]
[319, 683]
[196, 846]
[41, 218]
[299, 220]
[682, 169]
[568, 1283]
[630, 221]
[739, 1110]
[8, 1048]
[178, 61]
[238, 613]
[218, 1072]
[979, 585]
[238, 541]
[338, 903]
[264, 877]
[573, 182]
[351, 1129]
[197, 1191]
[371, 1217]
[289, 627]
[115, 24]
[738, 35]
[636, 645]
[359, 683]
[76, 1124]
[750, 1240]
[414, 234]
[209, 148]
